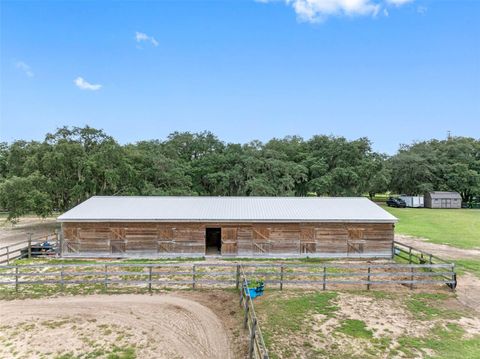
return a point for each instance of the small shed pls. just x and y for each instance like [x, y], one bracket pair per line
[439, 199]
[227, 226]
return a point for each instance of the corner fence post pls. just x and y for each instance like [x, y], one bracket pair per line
[324, 277]
[193, 276]
[411, 278]
[16, 278]
[252, 338]
[281, 277]
[454, 278]
[150, 279]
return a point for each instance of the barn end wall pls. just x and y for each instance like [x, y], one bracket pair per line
[154, 239]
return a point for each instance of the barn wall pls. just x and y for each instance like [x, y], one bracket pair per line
[242, 239]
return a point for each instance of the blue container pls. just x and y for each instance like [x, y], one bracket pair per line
[257, 291]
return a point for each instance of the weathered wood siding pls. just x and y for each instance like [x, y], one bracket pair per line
[244, 239]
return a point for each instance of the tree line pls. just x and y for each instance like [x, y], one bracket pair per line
[72, 164]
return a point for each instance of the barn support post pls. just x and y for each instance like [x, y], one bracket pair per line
[252, 338]
[29, 245]
[368, 278]
[281, 277]
[194, 271]
[105, 281]
[247, 309]
[324, 277]
[150, 280]
[237, 278]
[16, 278]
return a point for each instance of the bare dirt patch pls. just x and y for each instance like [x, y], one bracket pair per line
[157, 326]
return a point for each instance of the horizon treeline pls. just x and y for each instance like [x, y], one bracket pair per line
[73, 164]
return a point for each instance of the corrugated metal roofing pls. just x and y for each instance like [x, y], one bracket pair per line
[440, 194]
[228, 209]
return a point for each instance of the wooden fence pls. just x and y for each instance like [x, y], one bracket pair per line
[226, 274]
[256, 345]
[23, 249]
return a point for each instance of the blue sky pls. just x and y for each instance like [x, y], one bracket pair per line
[392, 70]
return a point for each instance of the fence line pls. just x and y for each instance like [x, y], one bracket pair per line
[256, 345]
[224, 274]
[17, 250]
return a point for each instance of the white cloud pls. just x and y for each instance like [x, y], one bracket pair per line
[85, 85]
[319, 10]
[27, 70]
[422, 10]
[140, 36]
[399, 2]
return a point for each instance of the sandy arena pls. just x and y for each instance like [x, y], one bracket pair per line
[158, 326]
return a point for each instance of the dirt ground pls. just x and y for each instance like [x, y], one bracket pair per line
[14, 233]
[176, 325]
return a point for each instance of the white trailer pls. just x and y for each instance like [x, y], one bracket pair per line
[413, 201]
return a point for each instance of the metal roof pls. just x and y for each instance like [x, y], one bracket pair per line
[227, 209]
[440, 194]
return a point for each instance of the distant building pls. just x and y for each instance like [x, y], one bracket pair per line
[413, 201]
[439, 199]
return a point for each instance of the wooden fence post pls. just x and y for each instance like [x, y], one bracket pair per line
[410, 255]
[8, 255]
[29, 245]
[247, 308]
[237, 278]
[324, 277]
[193, 276]
[105, 283]
[252, 338]
[411, 278]
[16, 278]
[150, 279]
[368, 278]
[62, 281]
[281, 277]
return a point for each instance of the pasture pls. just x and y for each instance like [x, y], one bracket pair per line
[454, 227]
[375, 324]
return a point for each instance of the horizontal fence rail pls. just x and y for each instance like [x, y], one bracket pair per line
[226, 274]
[417, 256]
[27, 248]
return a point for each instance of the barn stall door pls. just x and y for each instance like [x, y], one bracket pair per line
[229, 241]
[308, 245]
[331, 239]
[356, 241]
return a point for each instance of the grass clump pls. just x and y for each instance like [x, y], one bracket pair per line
[355, 328]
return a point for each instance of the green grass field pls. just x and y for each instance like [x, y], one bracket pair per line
[375, 324]
[455, 227]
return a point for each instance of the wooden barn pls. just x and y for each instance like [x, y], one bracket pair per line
[158, 226]
[439, 199]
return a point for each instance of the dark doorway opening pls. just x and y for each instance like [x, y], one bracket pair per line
[213, 241]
